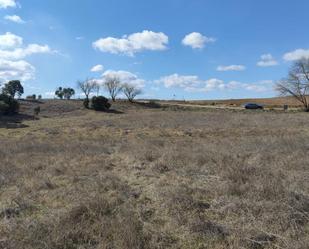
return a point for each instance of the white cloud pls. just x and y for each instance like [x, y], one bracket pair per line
[10, 70]
[260, 86]
[212, 84]
[192, 83]
[11, 47]
[297, 54]
[12, 53]
[20, 53]
[208, 85]
[79, 38]
[7, 3]
[49, 94]
[176, 80]
[97, 68]
[124, 77]
[197, 40]
[9, 40]
[231, 68]
[267, 60]
[14, 18]
[134, 43]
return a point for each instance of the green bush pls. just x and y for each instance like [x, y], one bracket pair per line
[3, 107]
[100, 103]
[86, 103]
[8, 105]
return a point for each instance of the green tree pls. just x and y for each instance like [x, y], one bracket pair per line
[68, 93]
[59, 93]
[12, 88]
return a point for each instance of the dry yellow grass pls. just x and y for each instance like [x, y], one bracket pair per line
[154, 178]
[277, 102]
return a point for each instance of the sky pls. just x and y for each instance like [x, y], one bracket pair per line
[171, 49]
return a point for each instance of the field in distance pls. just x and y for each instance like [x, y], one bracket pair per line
[147, 176]
[277, 102]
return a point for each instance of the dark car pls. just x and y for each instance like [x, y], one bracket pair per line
[253, 106]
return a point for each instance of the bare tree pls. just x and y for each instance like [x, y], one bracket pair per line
[113, 86]
[97, 89]
[131, 91]
[87, 87]
[297, 83]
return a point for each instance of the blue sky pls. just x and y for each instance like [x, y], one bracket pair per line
[192, 49]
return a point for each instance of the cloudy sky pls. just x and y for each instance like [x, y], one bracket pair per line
[192, 49]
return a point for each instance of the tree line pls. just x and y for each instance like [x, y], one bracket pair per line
[112, 85]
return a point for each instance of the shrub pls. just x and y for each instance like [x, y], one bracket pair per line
[8, 105]
[37, 110]
[100, 103]
[86, 103]
[3, 107]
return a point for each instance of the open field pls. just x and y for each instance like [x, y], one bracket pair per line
[277, 102]
[149, 177]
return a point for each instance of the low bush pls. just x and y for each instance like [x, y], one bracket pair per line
[31, 97]
[3, 107]
[100, 103]
[86, 103]
[8, 105]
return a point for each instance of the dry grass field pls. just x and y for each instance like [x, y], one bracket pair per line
[277, 102]
[142, 177]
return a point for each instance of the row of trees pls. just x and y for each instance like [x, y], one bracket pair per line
[90, 86]
[112, 85]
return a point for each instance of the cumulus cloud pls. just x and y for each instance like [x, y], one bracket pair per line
[9, 40]
[192, 83]
[197, 40]
[20, 53]
[267, 60]
[97, 68]
[7, 3]
[134, 43]
[176, 80]
[212, 84]
[14, 18]
[16, 70]
[12, 53]
[124, 77]
[231, 68]
[296, 55]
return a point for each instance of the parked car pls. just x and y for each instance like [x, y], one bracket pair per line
[253, 106]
